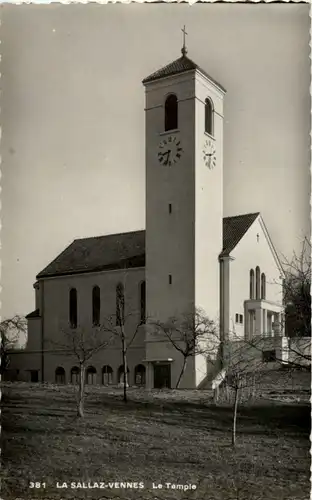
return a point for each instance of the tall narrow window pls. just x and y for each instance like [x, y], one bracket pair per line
[107, 375]
[171, 112]
[73, 308]
[96, 305]
[121, 378]
[142, 301]
[139, 375]
[263, 286]
[120, 304]
[74, 375]
[252, 284]
[208, 117]
[257, 282]
[60, 375]
[91, 375]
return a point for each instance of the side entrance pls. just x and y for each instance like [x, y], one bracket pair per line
[162, 376]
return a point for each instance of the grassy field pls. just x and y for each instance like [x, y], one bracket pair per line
[177, 437]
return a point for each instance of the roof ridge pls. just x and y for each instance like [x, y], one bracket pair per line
[241, 215]
[107, 252]
[110, 234]
[234, 228]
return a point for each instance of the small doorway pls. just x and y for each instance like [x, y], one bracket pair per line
[60, 375]
[139, 375]
[34, 375]
[162, 376]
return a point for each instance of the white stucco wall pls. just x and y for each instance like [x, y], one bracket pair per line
[34, 334]
[55, 311]
[170, 243]
[248, 254]
[21, 362]
[187, 242]
[208, 200]
[200, 368]
[56, 297]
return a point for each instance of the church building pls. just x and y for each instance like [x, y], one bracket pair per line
[188, 257]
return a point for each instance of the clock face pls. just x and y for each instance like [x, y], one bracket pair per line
[209, 154]
[169, 151]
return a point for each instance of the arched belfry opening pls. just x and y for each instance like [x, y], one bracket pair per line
[208, 116]
[171, 112]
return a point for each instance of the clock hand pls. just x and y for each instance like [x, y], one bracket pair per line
[167, 154]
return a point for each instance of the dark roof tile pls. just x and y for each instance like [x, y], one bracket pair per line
[114, 251]
[33, 314]
[127, 250]
[234, 229]
[180, 65]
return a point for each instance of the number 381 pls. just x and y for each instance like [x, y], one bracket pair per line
[37, 485]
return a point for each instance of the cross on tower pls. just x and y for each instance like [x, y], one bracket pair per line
[184, 49]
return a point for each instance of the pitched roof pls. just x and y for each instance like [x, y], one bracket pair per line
[127, 250]
[180, 65]
[234, 229]
[33, 314]
[115, 251]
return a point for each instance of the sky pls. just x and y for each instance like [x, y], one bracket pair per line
[72, 120]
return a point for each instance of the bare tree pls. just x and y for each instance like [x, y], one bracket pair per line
[242, 370]
[120, 322]
[290, 353]
[11, 330]
[83, 346]
[298, 353]
[297, 292]
[191, 334]
[118, 326]
[297, 300]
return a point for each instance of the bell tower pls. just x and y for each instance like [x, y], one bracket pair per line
[184, 186]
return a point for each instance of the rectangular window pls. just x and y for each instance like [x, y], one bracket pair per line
[170, 279]
[239, 318]
[268, 356]
[170, 208]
